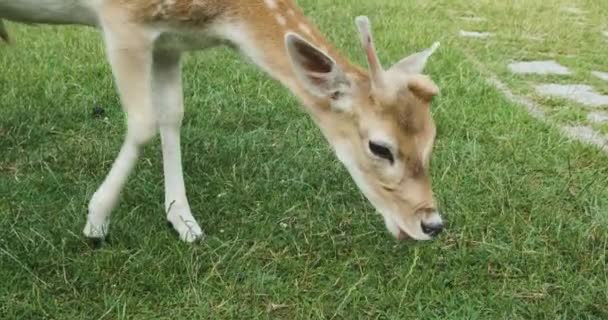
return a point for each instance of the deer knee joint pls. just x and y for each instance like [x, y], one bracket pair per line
[141, 130]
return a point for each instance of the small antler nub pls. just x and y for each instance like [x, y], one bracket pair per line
[367, 42]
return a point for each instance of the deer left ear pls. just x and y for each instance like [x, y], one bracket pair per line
[416, 62]
[318, 72]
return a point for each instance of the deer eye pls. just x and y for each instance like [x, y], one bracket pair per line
[381, 151]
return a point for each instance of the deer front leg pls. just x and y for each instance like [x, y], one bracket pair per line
[168, 100]
[129, 51]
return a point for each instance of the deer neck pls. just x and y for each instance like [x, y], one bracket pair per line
[258, 29]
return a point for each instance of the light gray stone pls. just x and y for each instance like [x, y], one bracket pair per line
[598, 117]
[538, 67]
[588, 135]
[475, 34]
[600, 75]
[580, 93]
[573, 10]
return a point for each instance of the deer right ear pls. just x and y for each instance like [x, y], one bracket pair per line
[318, 72]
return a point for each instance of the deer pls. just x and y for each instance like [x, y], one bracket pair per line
[377, 120]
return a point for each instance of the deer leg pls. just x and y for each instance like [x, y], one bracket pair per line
[129, 50]
[168, 100]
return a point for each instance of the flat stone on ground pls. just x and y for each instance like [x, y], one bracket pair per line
[475, 34]
[588, 135]
[580, 93]
[598, 117]
[473, 19]
[573, 10]
[600, 75]
[538, 67]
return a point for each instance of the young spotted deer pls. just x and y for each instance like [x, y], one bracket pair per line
[377, 121]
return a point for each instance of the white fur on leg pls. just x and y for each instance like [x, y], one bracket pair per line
[130, 57]
[176, 203]
[93, 230]
[184, 223]
[168, 101]
[105, 198]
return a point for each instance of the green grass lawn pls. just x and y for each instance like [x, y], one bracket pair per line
[289, 234]
[542, 30]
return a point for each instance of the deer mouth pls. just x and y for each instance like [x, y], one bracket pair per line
[402, 236]
[427, 231]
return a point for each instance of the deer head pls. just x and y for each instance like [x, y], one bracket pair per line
[380, 126]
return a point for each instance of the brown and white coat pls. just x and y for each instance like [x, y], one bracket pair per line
[377, 120]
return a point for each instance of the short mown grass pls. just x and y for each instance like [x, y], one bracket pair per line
[569, 32]
[289, 234]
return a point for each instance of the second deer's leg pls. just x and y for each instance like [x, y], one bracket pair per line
[168, 100]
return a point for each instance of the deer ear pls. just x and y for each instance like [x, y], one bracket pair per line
[415, 63]
[318, 72]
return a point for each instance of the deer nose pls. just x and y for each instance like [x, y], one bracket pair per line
[432, 229]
